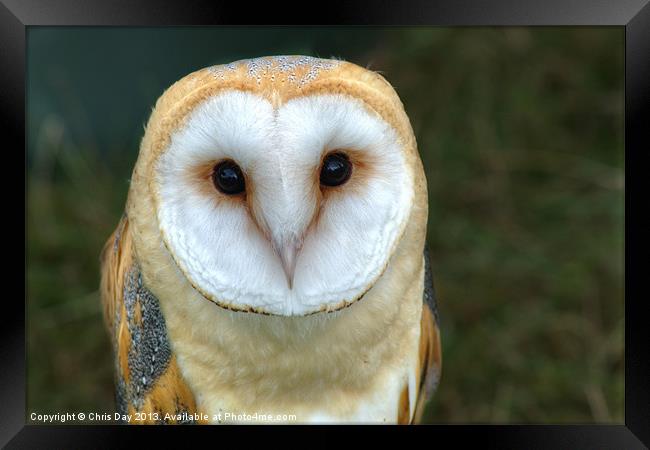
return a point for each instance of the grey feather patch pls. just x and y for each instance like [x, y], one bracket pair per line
[149, 353]
[429, 296]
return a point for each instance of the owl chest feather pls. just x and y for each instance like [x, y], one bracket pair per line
[355, 365]
[303, 382]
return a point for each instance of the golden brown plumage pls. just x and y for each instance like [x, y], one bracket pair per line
[430, 361]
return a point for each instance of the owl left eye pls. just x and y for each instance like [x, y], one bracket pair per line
[228, 178]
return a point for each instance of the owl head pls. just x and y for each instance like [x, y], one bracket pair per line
[278, 185]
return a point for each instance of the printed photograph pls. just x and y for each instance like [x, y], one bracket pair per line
[304, 225]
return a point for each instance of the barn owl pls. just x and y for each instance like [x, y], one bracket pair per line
[270, 265]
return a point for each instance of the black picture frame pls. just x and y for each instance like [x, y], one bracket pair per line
[634, 15]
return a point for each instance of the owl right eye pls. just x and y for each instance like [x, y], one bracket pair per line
[228, 178]
[336, 169]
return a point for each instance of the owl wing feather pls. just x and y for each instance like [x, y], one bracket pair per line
[430, 354]
[149, 385]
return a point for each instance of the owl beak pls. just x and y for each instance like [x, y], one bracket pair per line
[288, 250]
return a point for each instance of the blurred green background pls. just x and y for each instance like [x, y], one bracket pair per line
[521, 134]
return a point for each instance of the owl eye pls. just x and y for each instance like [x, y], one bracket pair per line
[336, 169]
[228, 178]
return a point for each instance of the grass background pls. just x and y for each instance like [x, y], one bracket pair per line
[521, 134]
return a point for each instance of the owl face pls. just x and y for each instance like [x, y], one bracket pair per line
[281, 204]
